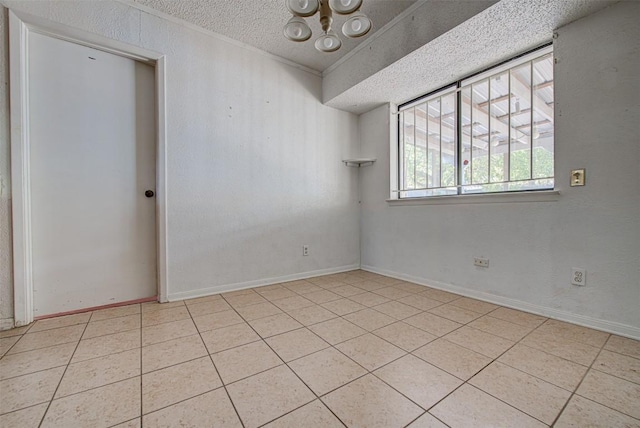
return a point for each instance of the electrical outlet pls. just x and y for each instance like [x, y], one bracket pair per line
[480, 262]
[578, 276]
[305, 250]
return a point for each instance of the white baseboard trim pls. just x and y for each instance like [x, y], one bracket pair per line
[595, 323]
[6, 324]
[202, 292]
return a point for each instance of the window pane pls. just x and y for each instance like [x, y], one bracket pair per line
[499, 128]
[449, 160]
[421, 146]
[543, 137]
[521, 123]
[434, 143]
[479, 132]
[465, 93]
[409, 149]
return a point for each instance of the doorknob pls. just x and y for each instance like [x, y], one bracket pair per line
[149, 193]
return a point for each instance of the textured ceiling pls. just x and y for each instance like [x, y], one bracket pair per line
[259, 24]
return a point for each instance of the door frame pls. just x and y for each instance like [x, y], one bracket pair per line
[20, 25]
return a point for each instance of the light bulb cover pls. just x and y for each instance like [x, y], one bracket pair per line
[297, 30]
[328, 42]
[357, 26]
[345, 7]
[303, 8]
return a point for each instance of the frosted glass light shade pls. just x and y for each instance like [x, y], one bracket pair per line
[303, 8]
[357, 26]
[329, 42]
[297, 30]
[345, 7]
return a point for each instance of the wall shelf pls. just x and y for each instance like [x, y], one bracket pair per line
[357, 163]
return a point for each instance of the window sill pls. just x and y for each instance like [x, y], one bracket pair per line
[486, 198]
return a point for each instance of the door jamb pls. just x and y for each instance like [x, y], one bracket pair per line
[20, 25]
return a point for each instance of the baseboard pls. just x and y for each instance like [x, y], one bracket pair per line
[6, 324]
[595, 323]
[202, 292]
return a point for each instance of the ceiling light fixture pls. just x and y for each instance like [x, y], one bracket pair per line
[297, 29]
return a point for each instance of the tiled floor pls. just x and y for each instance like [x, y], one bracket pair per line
[354, 349]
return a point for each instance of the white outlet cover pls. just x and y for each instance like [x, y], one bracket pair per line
[578, 276]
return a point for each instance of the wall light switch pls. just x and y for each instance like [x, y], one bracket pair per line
[577, 177]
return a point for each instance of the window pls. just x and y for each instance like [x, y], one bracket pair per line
[492, 132]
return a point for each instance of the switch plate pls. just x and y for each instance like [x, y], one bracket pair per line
[480, 262]
[577, 177]
[305, 250]
[578, 276]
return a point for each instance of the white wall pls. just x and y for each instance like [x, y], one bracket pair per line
[532, 246]
[254, 158]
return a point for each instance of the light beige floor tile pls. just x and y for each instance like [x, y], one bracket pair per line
[427, 421]
[16, 331]
[343, 306]
[28, 390]
[347, 290]
[245, 300]
[33, 361]
[460, 362]
[172, 352]
[165, 316]
[555, 370]
[337, 330]
[326, 370]
[235, 293]
[102, 407]
[323, 296]
[392, 293]
[302, 287]
[156, 306]
[213, 409]
[217, 320]
[397, 310]
[369, 319]
[404, 336]
[169, 331]
[410, 287]
[524, 319]
[6, 343]
[420, 302]
[455, 313]
[474, 305]
[311, 315]
[613, 392]
[229, 337]
[618, 365]
[387, 280]
[44, 339]
[58, 322]
[269, 395]
[244, 361]
[574, 332]
[291, 303]
[582, 413]
[469, 407]
[277, 294]
[206, 308]
[369, 299]
[105, 345]
[261, 310]
[120, 311]
[498, 327]
[370, 351]
[25, 418]
[296, 344]
[577, 352]
[314, 414]
[135, 423]
[529, 394]
[369, 402]
[479, 341]
[327, 284]
[99, 371]
[111, 326]
[204, 299]
[368, 285]
[275, 324]
[420, 381]
[176, 383]
[432, 323]
[625, 346]
[442, 296]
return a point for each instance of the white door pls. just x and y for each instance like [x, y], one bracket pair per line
[92, 136]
